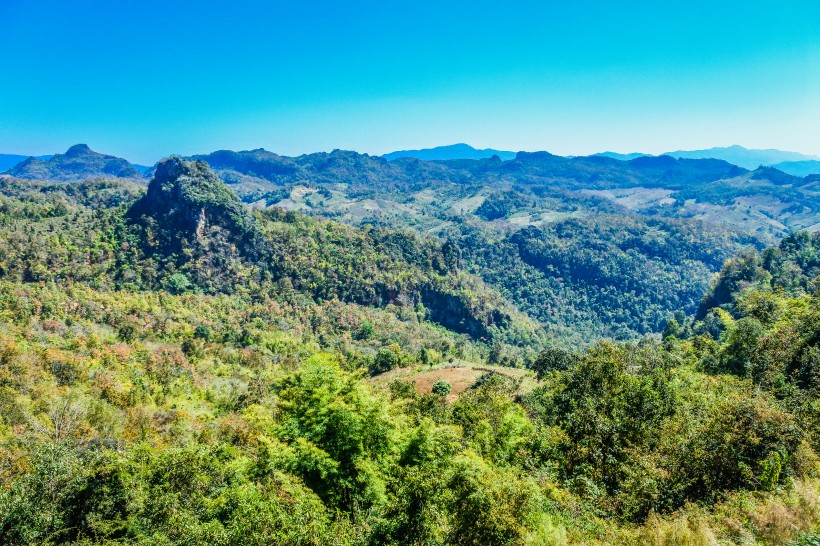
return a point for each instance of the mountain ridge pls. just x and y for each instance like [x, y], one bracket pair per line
[799, 168]
[735, 154]
[655, 185]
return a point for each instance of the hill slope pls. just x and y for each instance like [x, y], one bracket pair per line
[189, 233]
[479, 205]
[139, 416]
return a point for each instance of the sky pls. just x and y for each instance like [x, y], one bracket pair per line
[143, 79]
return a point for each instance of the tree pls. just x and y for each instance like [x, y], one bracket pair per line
[178, 283]
[672, 329]
[553, 359]
[598, 393]
[741, 343]
[339, 434]
[386, 359]
[364, 332]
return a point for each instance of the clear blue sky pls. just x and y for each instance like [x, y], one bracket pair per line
[143, 79]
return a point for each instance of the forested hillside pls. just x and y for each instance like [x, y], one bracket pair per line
[177, 368]
[189, 233]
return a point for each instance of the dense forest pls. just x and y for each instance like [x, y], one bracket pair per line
[179, 368]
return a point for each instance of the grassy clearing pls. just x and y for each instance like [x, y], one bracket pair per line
[461, 375]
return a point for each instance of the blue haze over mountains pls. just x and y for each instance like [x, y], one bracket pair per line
[793, 163]
[453, 151]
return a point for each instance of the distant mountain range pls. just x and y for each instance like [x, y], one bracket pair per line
[712, 190]
[78, 163]
[799, 168]
[454, 151]
[621, 157]
[743, 157]
[357, 188]
[684, 217]
[792, 163]
[85, 163]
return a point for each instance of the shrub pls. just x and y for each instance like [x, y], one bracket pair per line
[441, 388]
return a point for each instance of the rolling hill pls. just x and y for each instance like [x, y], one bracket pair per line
[514, 223]
[483, 207]
[540, 187]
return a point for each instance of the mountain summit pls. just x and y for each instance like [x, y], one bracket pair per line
[78, 163]
[79, 150]
[793, 163]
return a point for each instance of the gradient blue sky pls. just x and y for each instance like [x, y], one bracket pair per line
[143, 79]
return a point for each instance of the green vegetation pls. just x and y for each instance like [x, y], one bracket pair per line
[176, 369]
[189, 233]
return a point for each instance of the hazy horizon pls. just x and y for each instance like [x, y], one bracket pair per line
[144, 81]
[152, 162]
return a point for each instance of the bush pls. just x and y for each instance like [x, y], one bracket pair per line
[441, 388]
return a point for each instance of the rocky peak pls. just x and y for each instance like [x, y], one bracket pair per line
[79, 150]
[186, 199]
